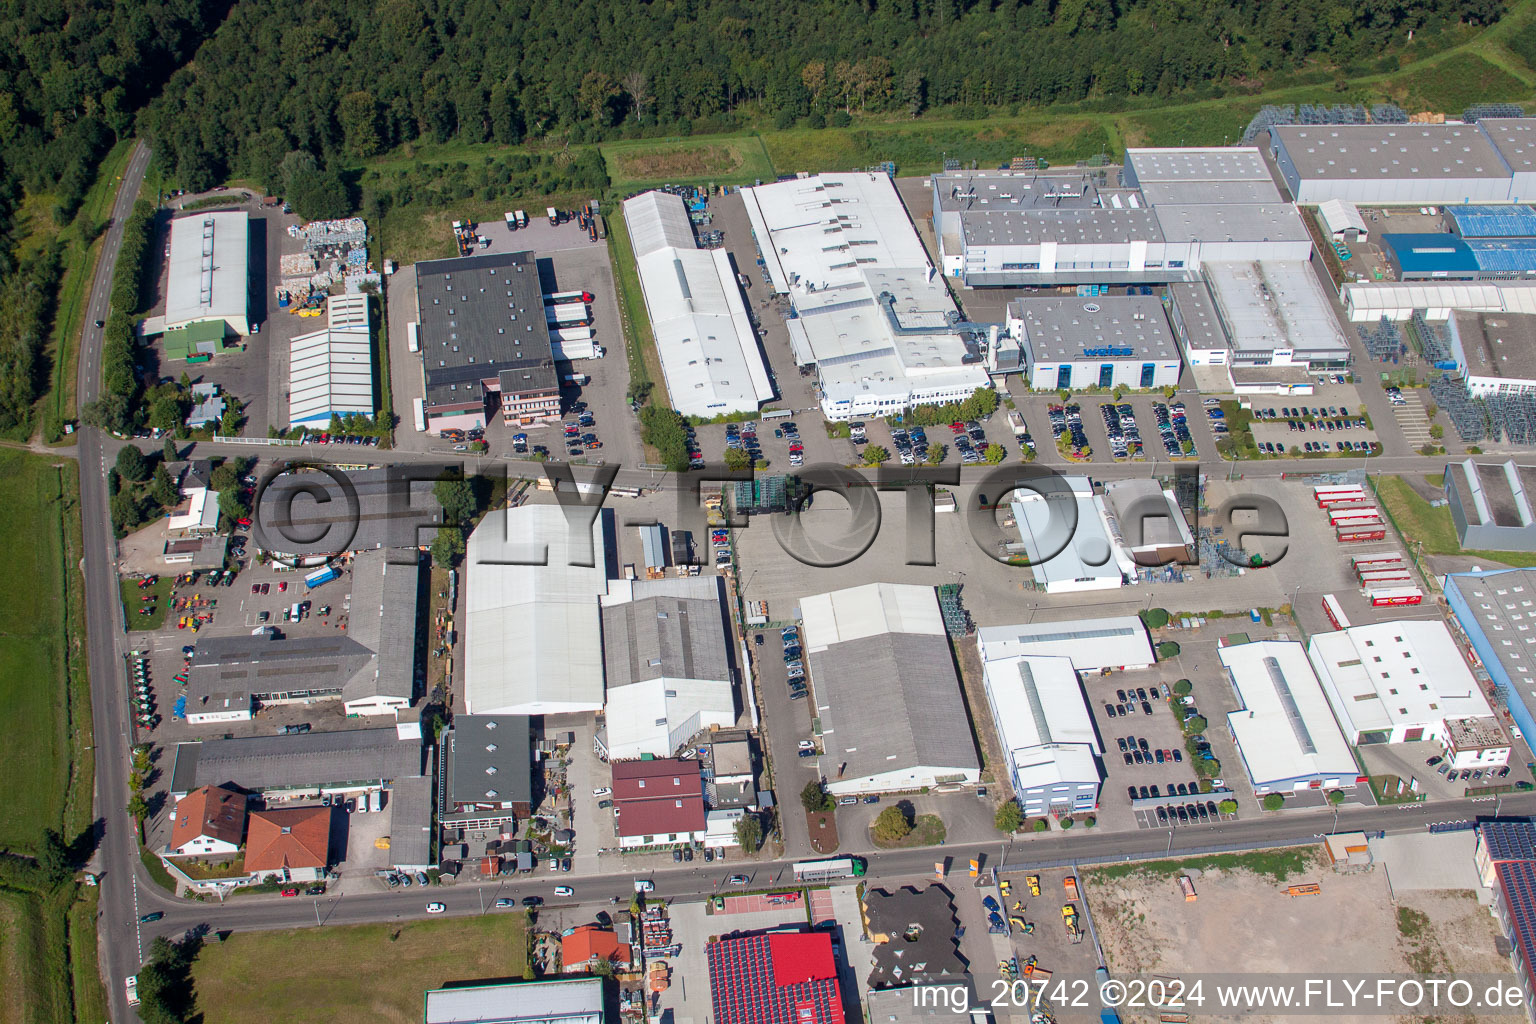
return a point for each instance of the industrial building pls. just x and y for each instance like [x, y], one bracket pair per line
[892, 715]
[330, 372]
[532, 622]
[1394, 163]
[708, 348]
[307, 514]
[1275, 315]
[559, 1001]
[1404, 682]
[1283, 728]
[916, 935]
[779, 978]
[1115, 644]
[1505, 857]
[1174, 210]
[867, 310]
[1145, 522]
[1368, 302]
[207, 281]
[1491, 221]
[658, 802]
[669, 673]
[485, 341]
[1494, 609]
[1065, 537]
[371, 668]
[1046, 732]
[1491, 505]
[348, 762]
[1113, 341]
[1342, 221]
[485, 773]
[1496, 352]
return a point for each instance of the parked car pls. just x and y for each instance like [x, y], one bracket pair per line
[152, 917]
[504, 903]
[564, 890]
[736, 880]
[533, 901]
[435, 908]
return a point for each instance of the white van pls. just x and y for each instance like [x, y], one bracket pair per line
[376, 800]
[362, 803]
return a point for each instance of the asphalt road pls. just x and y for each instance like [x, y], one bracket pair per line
[118, 941]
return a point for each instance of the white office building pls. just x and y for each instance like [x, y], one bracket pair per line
[1397, 682]
[207, 280]
[708, 347]
[1284, 730]
[1111, 341]
[869, 312]
[1046, 732]
[1116, 644]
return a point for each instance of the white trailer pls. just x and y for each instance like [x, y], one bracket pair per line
[413, 336]
[572, 314]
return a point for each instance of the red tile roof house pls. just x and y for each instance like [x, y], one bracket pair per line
[208, 822]
[291, 845]
[658, 802]
[586, 946]
[779, 978]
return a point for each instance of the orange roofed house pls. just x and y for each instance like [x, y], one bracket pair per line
[208, 822]
[589, 945]
[293, 844]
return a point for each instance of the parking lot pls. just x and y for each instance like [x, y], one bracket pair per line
[1331, 420]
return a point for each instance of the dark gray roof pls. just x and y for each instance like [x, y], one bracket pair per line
[383, 618]
[487, 753]
[480, 315]
[1497, 344]
[310, 512]
[296, 762]
[228, 671]
[921, 926]
[675, 637]
[410, 823]
[893, 702]
[1066, 226]
[1509, 839]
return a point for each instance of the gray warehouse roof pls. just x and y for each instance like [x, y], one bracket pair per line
[1236, 222]
[995, 191]
[1514, 138]
[1109, 326]
[1174, 193]
[296, 762]
[1385, 152]
[480, 315]
[1068, 227]
[894, 702]
[227, 671]
[1497, 344]
[310, 512]
[489, 759]
[1195, 312]
[410, 823]
[382, 617]
[1197, 163]
[655, 637]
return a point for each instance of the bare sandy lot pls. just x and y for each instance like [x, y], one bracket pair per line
[1244, 922]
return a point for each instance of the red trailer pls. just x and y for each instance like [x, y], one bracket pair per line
[1361, 532]
[1345, 515]
[1395, 596]
[1328, 497]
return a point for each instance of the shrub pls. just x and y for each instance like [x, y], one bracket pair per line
[1335, 796]
[1155, 618]
[814, 799]
[1008, 818]
[1040, 825]
[1090, 821]
[1227, 807]
[1195, 723]
[1167, 649]
[1066, 822]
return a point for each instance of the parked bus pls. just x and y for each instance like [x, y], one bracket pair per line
[837, 867]
[1395, 596]
[419, 410]
[1334, 612]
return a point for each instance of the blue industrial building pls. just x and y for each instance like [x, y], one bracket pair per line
[1422, 257]
[1504, 258]
[1496, 609]
[1492, 221]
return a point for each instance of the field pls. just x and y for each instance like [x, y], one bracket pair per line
[131, 594]
[32, 649]
[729, 160]
[1432, 527]
[1245, 922]
[920, 147]
[367, 974]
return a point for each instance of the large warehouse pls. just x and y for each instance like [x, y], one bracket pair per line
[532, 626]
[1413, 164]
[1047, 733]
[1490, 505]
[1276, 314]
[1064, 534]
[1496, 352]
[1283, 729]
[485, 341]
[709, 354]
[208, 278]
[1494, 609]
[330, 372]
[868, 313]
[1114, 644]
[1175, 210]
[892, 716]
[1400, 682]
[1112, 341]
[668, 664]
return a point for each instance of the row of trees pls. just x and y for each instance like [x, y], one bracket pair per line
[983, 402]
[118, 408]
[358, 81]
[27, 297]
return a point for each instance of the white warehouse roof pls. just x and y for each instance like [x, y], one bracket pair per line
[870, 610]
[1090, 644]
[1064, 554]
[330, 372]
[532, 632]
[1042, 720]
[708, 348]
[1390, 674]
[1285, 730]
[1340, 216]
[208, 270]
